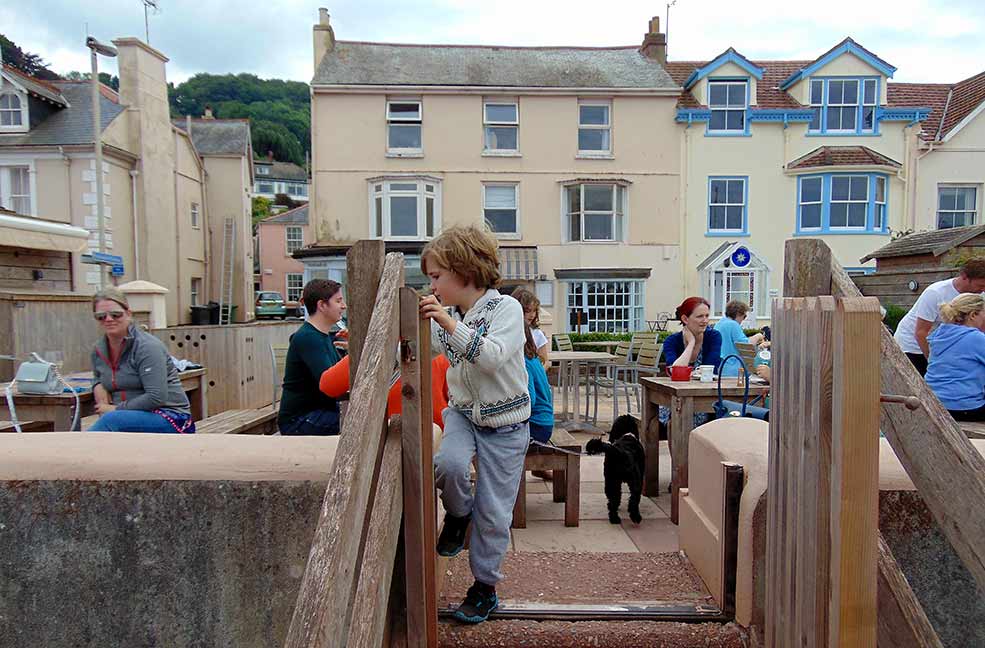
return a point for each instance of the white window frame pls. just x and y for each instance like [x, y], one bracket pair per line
[636, 296]
[298, 241]
[196, 291]
[299, 276]
[488, 124]
[400, 120]
[841, 106]
[23, 111]
[606, 127]
[742, 205]
[727, 107]
[515, 234]
[421, 193]
[266, 187]
[760, 273]
[953, 212]
[193, 213]
[849, 202]
[619, 220]
[263, 170]
[801, 202]
[6, 183]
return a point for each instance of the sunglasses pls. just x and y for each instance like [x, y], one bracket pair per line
[114, 314]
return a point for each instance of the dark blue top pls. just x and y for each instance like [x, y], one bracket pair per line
[711, 348]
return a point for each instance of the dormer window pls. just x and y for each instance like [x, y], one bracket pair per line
[13, 112]
[728, 101]
[844, 106]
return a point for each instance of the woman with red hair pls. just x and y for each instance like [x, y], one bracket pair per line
[696, 344]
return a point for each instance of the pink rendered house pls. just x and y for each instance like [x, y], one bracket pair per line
[278, 237]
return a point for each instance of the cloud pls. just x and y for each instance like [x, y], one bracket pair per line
[924, 40]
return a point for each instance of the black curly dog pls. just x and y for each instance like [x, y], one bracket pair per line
[623, 464]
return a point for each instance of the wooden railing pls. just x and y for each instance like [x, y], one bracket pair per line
[831, 579]
[367, 582]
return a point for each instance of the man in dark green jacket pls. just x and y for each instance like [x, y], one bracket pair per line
[304, 409]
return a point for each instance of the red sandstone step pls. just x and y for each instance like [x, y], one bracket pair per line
[594, 634]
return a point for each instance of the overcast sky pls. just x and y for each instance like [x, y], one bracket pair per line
[272, 39]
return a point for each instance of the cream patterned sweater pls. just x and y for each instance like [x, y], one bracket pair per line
[487, 379]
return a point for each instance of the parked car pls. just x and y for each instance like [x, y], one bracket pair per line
[270, 304]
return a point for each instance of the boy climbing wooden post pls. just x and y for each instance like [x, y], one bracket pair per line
[488, 404]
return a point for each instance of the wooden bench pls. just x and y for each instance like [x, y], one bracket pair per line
[28, 426]
[567, 477]
[240, 421]
[973, 429]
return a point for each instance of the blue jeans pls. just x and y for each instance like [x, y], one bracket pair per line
[135, 421]
[316, 423]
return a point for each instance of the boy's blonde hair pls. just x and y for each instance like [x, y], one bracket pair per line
[962, 307]
[469, 252]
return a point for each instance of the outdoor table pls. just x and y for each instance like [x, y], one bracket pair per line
[58, 408]
[684, 399]
[608, 345]
[570, 370]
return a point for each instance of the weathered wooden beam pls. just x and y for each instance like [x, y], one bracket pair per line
[324, 605]
[369, 625]
[418, 462]
[806, 268]
[902, 621]
[947, 471]
[364, 267]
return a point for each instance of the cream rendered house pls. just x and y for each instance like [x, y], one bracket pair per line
[779, 149]
[570, 155]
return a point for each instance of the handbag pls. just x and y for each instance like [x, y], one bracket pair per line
[746, 408]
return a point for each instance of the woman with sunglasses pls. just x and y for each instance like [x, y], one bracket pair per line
[136, 385]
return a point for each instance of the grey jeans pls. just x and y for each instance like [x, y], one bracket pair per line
[499, 454]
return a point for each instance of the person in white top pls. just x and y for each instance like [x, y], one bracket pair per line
[912, 331]
[531, 314]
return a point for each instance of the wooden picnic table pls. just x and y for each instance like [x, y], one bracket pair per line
[570, 370]
[684, 399]
[58, 408]
[608, 345]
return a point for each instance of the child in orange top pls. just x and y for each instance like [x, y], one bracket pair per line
[334, 382]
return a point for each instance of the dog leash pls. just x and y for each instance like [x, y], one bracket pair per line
[551, 446]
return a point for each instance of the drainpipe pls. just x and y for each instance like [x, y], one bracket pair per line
[683, 251]
[136, 234]
[73, 257]
[177, 229]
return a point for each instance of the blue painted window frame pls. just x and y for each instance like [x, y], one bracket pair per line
[870, 211]
[745, 208]
[859, 131]
[745, 132]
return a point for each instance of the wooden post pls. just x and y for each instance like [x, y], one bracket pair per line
[418, 462]
[323, 611]
[806, 268]
[364, 267]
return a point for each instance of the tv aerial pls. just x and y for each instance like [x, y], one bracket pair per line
[150, 7]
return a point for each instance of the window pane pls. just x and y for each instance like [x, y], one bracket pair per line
[716, 218]
[574, 198]
[839, 188]
[835, 91]
[593, 115]
[6, 119]
[429, 188]
[429, 216]
[598, 197]
[869, 96]
[5, 101]
[718, 120]
[735, 120]
[405, 136]
[717, 94]
[405, 111]
[848, 116]
[19, 182]
[403, 186]
[879, 216]
[856, 215]
[960, 196]
[598, 227]
[378, 187]
[810, 190]
[816, 120]
[817, 91]
[850, 94]
[501, 138]
[500, 112]
[737, 94]
[859, 188]
[735, 192]
[501, 220]
[718, 191]
[379, 217]
[945, 220]
[945, 198]
[734, 219]
[403, 216]
[880, 190]
[593, 139]
[868, 117]
[500, 197]
[810, 216]
[574, 231]
[839, 214]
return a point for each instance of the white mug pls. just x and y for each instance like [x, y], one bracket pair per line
[707, 373]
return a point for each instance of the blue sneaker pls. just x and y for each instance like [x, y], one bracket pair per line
[479, 603]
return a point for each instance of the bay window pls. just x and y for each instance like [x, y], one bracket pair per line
[833, 203]
[595, 212]
[608, 306]
[405, 207]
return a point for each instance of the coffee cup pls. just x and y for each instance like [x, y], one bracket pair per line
[707, 373]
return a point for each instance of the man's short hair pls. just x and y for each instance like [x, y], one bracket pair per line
[318, 290]
[735, 308]
[974, 268]
[469, 252]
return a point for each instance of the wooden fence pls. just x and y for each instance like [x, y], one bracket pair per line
[831, 580]
[46, 322]
[893, 286]
[371, 573]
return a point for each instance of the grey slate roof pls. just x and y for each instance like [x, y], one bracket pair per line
[218, 136]
[72, 125]
[935, 242]
[296, 216]
[359, 63]
[281, 171]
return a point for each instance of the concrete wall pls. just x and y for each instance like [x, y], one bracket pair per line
[349, 141]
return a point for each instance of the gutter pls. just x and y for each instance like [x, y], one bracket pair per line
[43, 227]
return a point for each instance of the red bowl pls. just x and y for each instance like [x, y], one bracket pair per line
[681, 374]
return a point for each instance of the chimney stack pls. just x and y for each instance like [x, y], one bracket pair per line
[323, 36]
[270, 156]
[654, 43]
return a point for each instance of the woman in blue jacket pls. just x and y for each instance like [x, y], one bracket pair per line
[956, 370]
[696, 344]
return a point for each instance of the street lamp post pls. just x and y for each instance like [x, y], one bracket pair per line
[97, 137]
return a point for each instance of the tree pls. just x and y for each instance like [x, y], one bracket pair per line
[104, 78]
[30, 64]
[261, 209]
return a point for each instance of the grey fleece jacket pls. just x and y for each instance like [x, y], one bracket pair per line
[143, 377]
